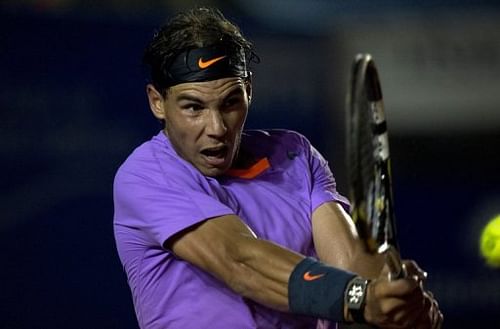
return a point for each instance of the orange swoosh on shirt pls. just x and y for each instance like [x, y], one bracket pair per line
[309, 277]
[204, 64]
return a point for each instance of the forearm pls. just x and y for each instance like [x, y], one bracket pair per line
[261, 271]
[283, 280]
[226, 248]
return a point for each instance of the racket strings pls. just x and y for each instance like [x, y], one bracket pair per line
[368, 189]
[363, 169]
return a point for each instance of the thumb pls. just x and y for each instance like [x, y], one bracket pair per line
[412, 269]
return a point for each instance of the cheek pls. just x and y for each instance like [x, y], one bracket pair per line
[179, 133]
[176, 124]
[175, 131]
[238, 119]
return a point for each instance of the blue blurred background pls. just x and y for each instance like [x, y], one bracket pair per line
[73, 106]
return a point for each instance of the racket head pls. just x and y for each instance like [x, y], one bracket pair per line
[368, 161]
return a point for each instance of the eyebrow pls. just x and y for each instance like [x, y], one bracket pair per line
[237, 91]
[191, 98]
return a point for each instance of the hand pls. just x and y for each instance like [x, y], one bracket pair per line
[431, 317]
[401, 303]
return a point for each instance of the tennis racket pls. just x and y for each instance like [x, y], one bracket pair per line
[369, 166]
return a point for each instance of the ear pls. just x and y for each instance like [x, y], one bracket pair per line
[248, 88]
[156, 102]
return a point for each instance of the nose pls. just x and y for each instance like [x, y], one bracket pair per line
[216, 127]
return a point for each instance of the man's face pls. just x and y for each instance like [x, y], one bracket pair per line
[204, 120]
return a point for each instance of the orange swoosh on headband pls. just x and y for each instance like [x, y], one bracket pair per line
[309, 277]
[204, 64]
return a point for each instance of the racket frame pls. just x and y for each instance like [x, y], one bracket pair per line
[379, 206]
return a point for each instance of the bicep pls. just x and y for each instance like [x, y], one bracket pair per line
[338, 244]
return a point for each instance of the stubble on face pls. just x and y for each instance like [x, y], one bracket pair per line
[204, 122]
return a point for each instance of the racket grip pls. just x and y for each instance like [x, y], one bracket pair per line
[393, 261]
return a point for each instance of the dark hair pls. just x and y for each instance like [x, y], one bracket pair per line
[196, 28]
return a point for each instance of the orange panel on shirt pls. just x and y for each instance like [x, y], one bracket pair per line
[251, 172]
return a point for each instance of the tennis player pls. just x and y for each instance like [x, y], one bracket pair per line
[219, 227]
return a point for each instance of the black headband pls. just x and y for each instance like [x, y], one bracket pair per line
[205, 64]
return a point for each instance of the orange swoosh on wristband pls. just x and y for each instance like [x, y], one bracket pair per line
[204, 64]
[309, 277]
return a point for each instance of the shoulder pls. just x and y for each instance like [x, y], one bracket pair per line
[273, 133]
[279, 146]
[273, 137]
[153, 162]
[141, 162]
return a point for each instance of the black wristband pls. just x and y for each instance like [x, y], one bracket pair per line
[317, 290]
[355, 297]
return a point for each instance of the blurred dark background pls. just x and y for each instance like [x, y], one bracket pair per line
[72, 107]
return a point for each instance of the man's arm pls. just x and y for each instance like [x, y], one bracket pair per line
[337, 242]
[260, 270]
[228, 249]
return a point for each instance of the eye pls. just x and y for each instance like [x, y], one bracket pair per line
[193, 107]
[232, 101]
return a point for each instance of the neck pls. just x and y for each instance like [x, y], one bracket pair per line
[243, 160]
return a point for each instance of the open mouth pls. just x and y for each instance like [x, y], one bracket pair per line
[218, 152]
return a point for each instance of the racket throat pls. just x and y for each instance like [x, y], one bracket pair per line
[393, 261]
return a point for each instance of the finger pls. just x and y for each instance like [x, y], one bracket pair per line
[440, 321]
[412, 311]
[397, 288]
[408, 317]
[402, 312]
[438, 316]
[432, 317]
[426, 320]
[395, 303]
[412, 269]
[417, 311]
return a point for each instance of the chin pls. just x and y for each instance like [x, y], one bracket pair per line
[213, 172]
